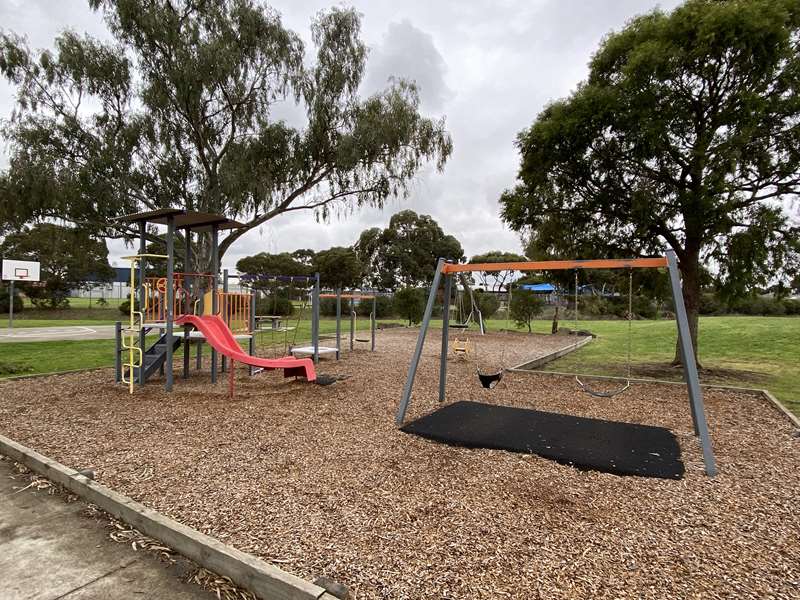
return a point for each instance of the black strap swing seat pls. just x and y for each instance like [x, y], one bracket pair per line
[489, 380]
[601, 393]
[584, 387]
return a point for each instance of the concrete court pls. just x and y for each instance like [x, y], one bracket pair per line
[52, 334]
[49, 551]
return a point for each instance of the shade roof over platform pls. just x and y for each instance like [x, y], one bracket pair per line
[184, 219]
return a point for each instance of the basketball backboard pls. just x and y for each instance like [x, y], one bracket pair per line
[20, 270]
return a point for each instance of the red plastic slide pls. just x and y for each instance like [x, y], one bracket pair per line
[219, 335]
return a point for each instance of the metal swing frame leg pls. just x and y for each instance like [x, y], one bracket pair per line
[405, 399]
[690, 366]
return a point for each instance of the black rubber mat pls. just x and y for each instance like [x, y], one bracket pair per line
[608, 446]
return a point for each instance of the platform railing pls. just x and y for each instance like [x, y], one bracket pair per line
[234, 309]
[187, 287]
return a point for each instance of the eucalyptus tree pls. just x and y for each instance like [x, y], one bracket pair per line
[405, 253]
[180, 111]
[684, 136]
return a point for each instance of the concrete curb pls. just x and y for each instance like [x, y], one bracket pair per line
[261, 578]
[543, 360]
[762, 393]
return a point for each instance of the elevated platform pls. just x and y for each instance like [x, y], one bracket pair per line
[194, 335]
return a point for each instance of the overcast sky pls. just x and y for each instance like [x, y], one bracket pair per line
[488, 66]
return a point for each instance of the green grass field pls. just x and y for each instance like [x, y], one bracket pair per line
[23, 358]
[759, 352]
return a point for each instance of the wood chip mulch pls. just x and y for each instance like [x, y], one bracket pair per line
[318, 481]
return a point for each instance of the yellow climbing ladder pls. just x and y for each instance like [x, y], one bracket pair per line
[132, 333]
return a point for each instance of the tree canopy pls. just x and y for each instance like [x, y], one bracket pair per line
[70, 258]
[259, 267]
[405, 253]
[338, 267]
[178, 112]
[495, 280]
[684, 136]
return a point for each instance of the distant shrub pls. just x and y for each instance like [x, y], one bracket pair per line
[384, 307]
[19, 305]
[327, 307]
[792, 307]
[274, 304]
[525, 305]
[409, 303]
[710, 304]
[125, 307]
[488, 303]
[759, 305]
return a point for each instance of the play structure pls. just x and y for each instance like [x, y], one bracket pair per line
[192, 302]
[284, 326]
[621, 448]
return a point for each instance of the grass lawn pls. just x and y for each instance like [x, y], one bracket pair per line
[757, 352]
[22, 358]
[36, 317]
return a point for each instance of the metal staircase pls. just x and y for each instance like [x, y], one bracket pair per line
[154, 357]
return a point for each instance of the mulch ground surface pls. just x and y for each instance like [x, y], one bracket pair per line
[319, 481]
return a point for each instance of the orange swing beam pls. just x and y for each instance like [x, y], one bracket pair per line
[556, 265]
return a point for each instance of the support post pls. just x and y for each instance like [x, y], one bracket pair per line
[214, 282]
[448, 286]
[141, 289]
[170, 312]
[412, 368]
[315, 320]
[352, 324]
[11, 305]
[338, 322]
[227, 316]
[372, 323]
[187, 303]
[252, 327]
[118, 352]
[690, 366]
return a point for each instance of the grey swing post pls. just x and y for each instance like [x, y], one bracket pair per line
[669, 261]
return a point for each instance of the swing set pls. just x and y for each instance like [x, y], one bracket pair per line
[446, 270]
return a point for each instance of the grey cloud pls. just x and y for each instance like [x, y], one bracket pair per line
[489, 67]
[409, 53]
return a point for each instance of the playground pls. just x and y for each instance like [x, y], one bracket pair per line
[318, 479]
[423, 462]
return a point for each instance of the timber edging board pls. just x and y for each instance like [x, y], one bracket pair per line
[263, 579]
[762, 393]
[530, 365]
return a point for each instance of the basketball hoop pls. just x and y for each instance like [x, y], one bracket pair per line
[20, 270]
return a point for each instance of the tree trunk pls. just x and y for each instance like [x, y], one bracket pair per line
[689, 268]
[554, 327]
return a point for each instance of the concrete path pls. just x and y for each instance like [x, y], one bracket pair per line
[50, 334]
[50, 551]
